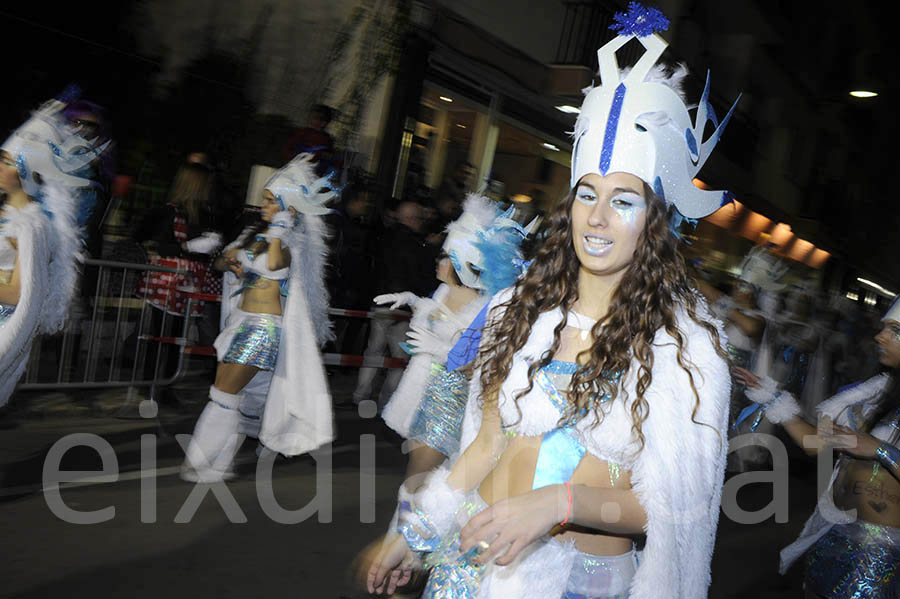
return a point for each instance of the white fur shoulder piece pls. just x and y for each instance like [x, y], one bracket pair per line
[866, 394]
[679, 473]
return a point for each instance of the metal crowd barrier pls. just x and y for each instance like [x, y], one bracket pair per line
[114, 324]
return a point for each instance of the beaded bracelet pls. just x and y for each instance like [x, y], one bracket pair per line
[888, 455]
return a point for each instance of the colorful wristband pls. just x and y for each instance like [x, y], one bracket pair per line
[569, 507]
[888, 455]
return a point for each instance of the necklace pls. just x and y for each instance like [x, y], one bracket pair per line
[582, 322]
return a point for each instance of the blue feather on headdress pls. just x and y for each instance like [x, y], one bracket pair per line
[502, 258]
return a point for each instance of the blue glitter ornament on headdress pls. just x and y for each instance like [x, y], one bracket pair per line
[640, 20]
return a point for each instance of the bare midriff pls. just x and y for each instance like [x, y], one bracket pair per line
[264, 297]
[5, 276]
[514, 475]
[874, 494]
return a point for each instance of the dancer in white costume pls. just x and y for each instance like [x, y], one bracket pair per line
[480, 257]
[594, 440]
[270, 382]
[852, 540]
[40, 243]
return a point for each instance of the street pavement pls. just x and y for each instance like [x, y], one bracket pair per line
[210, 555]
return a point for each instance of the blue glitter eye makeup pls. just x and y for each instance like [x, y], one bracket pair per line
[627, 206]
[586, 196]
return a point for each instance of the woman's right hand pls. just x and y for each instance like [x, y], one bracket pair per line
[744, 376]
[234, 265]
[392, 567]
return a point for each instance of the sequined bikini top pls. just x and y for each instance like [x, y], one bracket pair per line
[255, 268]
[561, 449]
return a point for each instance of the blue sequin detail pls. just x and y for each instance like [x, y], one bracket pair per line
[6, 312]
[855, 561]
[561, 367]
[455, 575]
[640, 20]
[438, 420]
[255, 343]
[609, 137]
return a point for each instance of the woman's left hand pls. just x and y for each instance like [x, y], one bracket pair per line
[510, 525]
[864, 445]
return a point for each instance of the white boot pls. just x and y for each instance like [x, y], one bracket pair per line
[216, 439]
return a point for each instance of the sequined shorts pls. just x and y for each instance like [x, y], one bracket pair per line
[6, 312]
[256, 341]
[856, 561]
[438, 421]
[601, 576]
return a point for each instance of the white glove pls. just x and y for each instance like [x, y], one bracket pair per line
[404, 298]
[426, 342]
[281, 223]
[207, 243]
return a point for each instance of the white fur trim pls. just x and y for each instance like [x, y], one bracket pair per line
[866, 394]
[540, 571]
[34, 236]
[298, 417]
[226, 400]
[764, 393]
[782, 408]
[438, 501]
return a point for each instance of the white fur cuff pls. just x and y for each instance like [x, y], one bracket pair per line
[438, 501]
[782, 408]
[764, 393]
[226, 400]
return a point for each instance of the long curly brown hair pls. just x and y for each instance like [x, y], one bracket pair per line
[653, 289]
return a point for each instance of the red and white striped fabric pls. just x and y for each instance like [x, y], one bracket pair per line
[166, 290]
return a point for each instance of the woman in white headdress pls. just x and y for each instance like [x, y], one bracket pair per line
[39, 239]
[593, 448]
[480, 256]
[270, 383]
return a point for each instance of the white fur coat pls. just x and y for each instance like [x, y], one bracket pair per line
[400, 411]
[677, 476]
[32, 230]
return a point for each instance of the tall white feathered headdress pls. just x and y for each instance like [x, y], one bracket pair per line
[633, 124]
[295, 185]
[47, 146]
[484, 245]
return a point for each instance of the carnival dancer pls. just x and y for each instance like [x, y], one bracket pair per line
[594, 440]
[852, 540]
[745, 328]
[40, 243]
[480, 257]
[270, 383]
